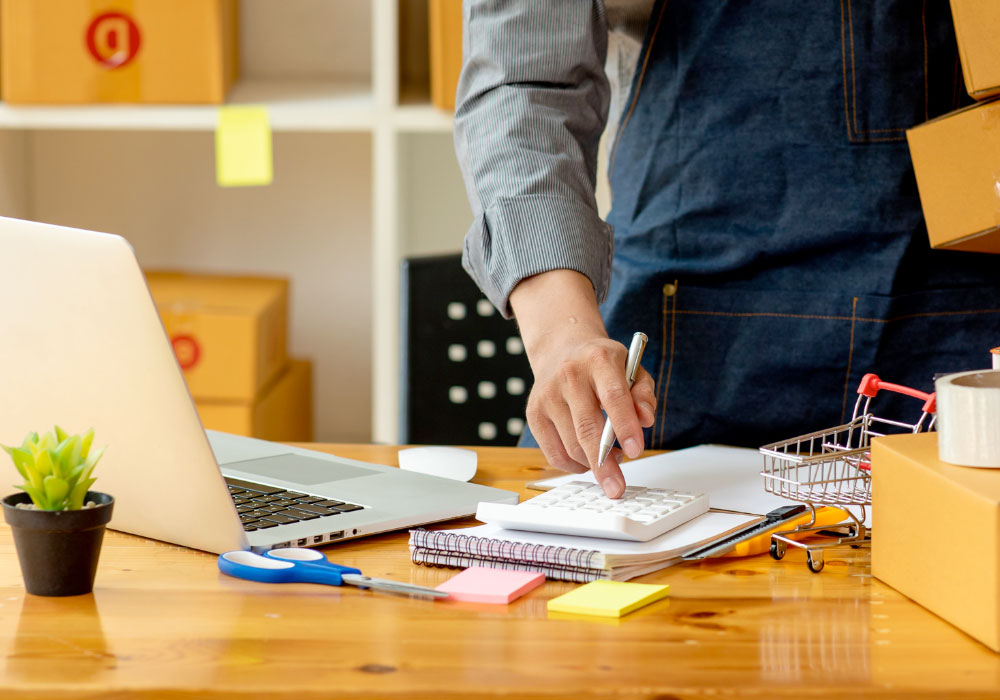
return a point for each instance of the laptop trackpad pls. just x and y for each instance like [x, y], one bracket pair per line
[300, 469]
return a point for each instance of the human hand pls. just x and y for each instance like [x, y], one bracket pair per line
[578, 371]
[574, 380]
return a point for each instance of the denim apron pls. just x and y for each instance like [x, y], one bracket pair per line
[768, 232]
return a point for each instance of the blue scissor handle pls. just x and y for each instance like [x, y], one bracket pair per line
[254, 567]
[309, 557]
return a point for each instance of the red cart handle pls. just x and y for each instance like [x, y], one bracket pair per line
[871, 384]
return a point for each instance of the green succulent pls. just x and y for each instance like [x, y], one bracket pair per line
[56, 468]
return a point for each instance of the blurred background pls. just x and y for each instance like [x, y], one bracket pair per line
[274, 165]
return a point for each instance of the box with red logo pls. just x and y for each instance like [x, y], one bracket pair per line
[229, 333]
[80, 51]
[282, 411]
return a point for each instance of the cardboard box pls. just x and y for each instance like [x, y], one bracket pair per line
[956, 159]
[445, 30]
[80, 51]
[229, 333]
[936, 533]
[282, 412]
[977, 25]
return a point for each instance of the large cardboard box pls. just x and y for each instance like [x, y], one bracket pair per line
[445, 34]
[282, 412]
[229, 333]
[977, 26]
[956, 159]
[936, 533]
[80, 51]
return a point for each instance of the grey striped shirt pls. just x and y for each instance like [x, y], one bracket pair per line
[532, 103]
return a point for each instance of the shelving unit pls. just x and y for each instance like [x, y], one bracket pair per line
[362, 178]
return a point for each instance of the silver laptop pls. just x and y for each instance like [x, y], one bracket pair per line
[82, 345]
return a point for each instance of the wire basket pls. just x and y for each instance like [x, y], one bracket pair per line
[833, 467]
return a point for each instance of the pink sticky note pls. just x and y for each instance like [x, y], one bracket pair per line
[478, 584]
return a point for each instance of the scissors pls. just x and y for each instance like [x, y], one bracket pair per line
[298, 565]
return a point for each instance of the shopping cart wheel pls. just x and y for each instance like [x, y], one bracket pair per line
[777, 549]
[815, 561]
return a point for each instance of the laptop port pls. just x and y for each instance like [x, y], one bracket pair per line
[336, 535]
[317, 538]
[303, 541]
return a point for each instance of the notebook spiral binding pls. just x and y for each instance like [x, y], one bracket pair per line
[440, 559]
[450, 549]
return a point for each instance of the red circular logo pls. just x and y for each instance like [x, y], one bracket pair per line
[113, 39]
[187, 350]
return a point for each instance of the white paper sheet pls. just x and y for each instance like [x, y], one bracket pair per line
[729, 475]
[681, 539]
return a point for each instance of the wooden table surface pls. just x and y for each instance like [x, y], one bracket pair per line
[163, 622]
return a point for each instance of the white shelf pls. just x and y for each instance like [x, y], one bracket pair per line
[365, 173]
[422, 118]
[295, 106]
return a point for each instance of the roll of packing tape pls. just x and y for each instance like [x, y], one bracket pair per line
[968, 418]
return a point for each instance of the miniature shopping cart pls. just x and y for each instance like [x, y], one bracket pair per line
[833, 467]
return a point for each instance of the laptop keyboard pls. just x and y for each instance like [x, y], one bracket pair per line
[261, 506]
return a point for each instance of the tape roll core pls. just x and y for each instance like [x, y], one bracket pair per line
[968, 421]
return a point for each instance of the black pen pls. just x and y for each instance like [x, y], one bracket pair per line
[770, 522]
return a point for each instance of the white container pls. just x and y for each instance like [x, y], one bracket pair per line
[968, 418]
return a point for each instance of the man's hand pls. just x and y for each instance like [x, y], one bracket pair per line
[578, 371]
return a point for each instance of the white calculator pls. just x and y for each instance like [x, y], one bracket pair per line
[581, 508]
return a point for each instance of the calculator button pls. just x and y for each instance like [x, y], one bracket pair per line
[583, 509]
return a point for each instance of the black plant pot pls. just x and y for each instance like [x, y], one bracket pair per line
[58, 549]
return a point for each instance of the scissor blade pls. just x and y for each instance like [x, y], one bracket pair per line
[382, 584]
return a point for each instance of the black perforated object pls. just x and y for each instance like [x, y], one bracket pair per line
[448, 329]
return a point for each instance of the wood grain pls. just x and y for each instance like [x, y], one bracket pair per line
[163, 622]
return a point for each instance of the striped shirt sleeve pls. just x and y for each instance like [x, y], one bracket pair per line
[532, 103]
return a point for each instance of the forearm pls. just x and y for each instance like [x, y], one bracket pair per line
[555, 307]
[531, 106]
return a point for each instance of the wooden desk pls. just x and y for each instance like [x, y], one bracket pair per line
[163, 622]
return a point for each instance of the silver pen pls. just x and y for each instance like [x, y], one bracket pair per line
[635, 349]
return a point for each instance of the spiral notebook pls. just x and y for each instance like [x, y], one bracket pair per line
[568, 557]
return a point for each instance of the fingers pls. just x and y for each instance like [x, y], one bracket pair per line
[615, 396]
[609, 476]
[644, 396]
[550, 440]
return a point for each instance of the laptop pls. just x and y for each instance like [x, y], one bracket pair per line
[82, 345]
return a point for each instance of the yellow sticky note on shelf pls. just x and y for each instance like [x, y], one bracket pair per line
[608, 598]
[243, 155]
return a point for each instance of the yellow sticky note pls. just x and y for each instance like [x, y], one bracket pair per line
[243, 155]
[608, 598]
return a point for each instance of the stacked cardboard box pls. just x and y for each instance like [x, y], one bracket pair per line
[80, 51]
[976, 25]
[955, 156]
[445, 30]
[230, 337]
[936, 533]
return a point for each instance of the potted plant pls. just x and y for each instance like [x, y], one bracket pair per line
[58, 523]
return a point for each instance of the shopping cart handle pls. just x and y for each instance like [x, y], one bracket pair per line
[871, 384]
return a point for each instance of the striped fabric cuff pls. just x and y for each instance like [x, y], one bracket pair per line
[522, 236]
